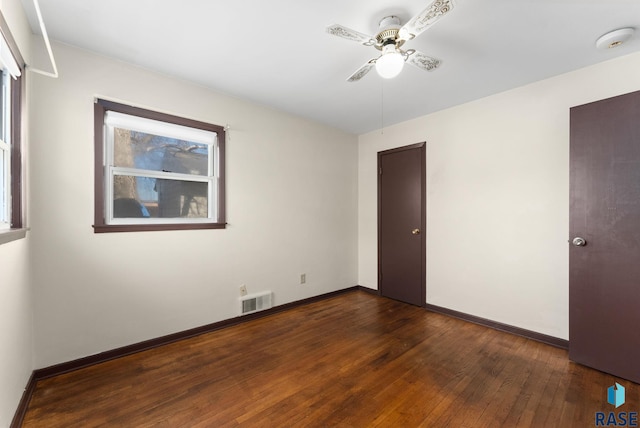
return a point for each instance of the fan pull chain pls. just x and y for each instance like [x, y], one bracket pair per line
[382, 107]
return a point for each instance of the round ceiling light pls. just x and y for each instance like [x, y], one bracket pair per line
[614, 38]
[390, 64]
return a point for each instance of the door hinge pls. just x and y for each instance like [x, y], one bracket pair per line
[380, 170]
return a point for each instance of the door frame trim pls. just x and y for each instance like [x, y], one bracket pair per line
[423, 214]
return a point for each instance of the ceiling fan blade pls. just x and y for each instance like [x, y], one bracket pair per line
[362, 71]
[422, 61]
[425, 19]
[349, 34]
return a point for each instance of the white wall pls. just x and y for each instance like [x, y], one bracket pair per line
[16, 317]
[291, 208]
[16, 327]
[497, 197]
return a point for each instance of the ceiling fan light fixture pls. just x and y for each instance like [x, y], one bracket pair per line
[391, 38]
[390, 64]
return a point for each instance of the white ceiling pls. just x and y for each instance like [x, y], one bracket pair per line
[278, 53]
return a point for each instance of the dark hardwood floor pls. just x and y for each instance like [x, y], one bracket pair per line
[356, 360]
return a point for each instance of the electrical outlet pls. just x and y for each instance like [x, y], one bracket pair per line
[303, 278]
[243, 290]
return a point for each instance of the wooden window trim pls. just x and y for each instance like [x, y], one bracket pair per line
[16, 154]
[100, 226]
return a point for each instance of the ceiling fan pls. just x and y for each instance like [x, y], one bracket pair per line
[390, 39]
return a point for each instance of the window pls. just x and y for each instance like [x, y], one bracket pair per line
[10, 117]
[5, 153]
[155, 171]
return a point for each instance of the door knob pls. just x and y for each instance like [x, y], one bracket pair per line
[579, 242]
[415, 231]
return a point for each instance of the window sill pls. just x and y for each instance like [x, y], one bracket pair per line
[12, 235]
[107, 228]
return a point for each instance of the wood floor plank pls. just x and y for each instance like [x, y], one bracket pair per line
[355, 360]
[530, 393]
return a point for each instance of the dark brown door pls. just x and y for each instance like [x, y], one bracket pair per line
[401, 224]
[604, 273]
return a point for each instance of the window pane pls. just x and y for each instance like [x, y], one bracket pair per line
[159, 198]
[133, 149]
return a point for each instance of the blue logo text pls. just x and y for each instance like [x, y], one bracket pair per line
[620, 419]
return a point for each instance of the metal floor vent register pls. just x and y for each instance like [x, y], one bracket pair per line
[255, 302]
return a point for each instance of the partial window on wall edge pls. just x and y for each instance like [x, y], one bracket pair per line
[155, 171]
[11, 67]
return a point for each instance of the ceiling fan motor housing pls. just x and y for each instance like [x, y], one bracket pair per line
[389, 27]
